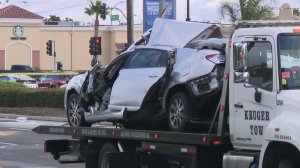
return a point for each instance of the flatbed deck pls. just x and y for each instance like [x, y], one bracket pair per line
[138, 135]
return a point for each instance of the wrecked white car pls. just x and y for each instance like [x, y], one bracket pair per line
[142, 88]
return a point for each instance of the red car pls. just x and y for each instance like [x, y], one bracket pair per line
[53, 81]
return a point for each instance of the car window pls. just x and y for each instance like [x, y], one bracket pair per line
[18, 68]
[4, 78]
[53, 77]
[43, 77]
[147, 58]
[259, 64]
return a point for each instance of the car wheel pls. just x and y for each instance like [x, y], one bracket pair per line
[178, 108]
[74, 114]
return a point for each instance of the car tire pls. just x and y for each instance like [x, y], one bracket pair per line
[178, 107]
[102, 158]
[74, 114]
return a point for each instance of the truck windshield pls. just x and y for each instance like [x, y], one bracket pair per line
[289, 49]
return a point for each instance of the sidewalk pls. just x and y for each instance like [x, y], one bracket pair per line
[42, 118]
[34, 113]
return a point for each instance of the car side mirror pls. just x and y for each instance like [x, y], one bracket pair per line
[171, 60]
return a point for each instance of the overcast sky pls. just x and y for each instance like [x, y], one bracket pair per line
[201, 10]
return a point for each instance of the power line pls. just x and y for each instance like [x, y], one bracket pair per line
[50, 10]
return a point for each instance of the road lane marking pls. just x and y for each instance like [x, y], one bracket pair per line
[5, 145]
[20, 129]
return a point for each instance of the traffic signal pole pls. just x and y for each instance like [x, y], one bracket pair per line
[54, 53]
[50, 47]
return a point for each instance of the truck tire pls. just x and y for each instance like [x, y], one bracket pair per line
[178, 108]
[102, 158]
[286, 163]
[74, 114]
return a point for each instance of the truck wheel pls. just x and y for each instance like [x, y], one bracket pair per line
[287, 163]
[178, 108]
[74, 115]
[102, 159]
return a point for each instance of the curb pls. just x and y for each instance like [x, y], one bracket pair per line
[42, 118]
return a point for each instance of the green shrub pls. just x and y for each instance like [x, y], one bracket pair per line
[18, 96]
[11, 84]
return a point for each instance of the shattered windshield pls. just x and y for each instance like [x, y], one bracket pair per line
[289, 50]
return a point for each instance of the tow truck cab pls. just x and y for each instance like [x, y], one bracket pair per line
[264, 84]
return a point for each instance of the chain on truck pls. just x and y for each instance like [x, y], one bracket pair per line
[256, 123]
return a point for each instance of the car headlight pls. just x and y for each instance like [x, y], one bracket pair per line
[206, 84]
[216, 58]
[200, 85]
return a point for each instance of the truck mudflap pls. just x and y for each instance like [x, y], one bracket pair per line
[151, 160]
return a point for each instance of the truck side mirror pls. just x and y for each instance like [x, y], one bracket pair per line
[241, 74]
[241, 77]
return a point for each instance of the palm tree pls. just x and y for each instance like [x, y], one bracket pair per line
[246, 10]
[94, 9]
[231, 10]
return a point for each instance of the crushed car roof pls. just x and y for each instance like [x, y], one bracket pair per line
[166, 32]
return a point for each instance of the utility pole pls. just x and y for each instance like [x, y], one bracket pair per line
[188, 11]
[130, 22]
[161, 7]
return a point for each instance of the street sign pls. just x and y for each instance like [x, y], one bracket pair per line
[114, 17]
[151, 11]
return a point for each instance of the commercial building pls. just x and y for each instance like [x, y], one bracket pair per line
[24, 37]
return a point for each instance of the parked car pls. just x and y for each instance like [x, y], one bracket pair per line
[19, 68]
[16, 78]
[53, 80]
[143, 86]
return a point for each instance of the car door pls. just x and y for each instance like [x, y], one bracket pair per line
[42, 81]
[46, 80]
[141, 71]
[254, 100]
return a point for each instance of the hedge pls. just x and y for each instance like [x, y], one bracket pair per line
[11, 85]
[16, 95]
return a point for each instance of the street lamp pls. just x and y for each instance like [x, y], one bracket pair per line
[115, 7]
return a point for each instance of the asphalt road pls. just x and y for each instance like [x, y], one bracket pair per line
[22, 148]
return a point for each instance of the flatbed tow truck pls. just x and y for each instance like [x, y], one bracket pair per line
[255, 125]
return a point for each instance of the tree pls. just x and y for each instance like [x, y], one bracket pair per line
[54, 18]
[296, 11]
[231, 10]
[246, 10]
[94, 9]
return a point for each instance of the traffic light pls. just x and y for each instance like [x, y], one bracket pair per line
[59, 66]
[95, 46]
[49, 47]
[103, 11]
